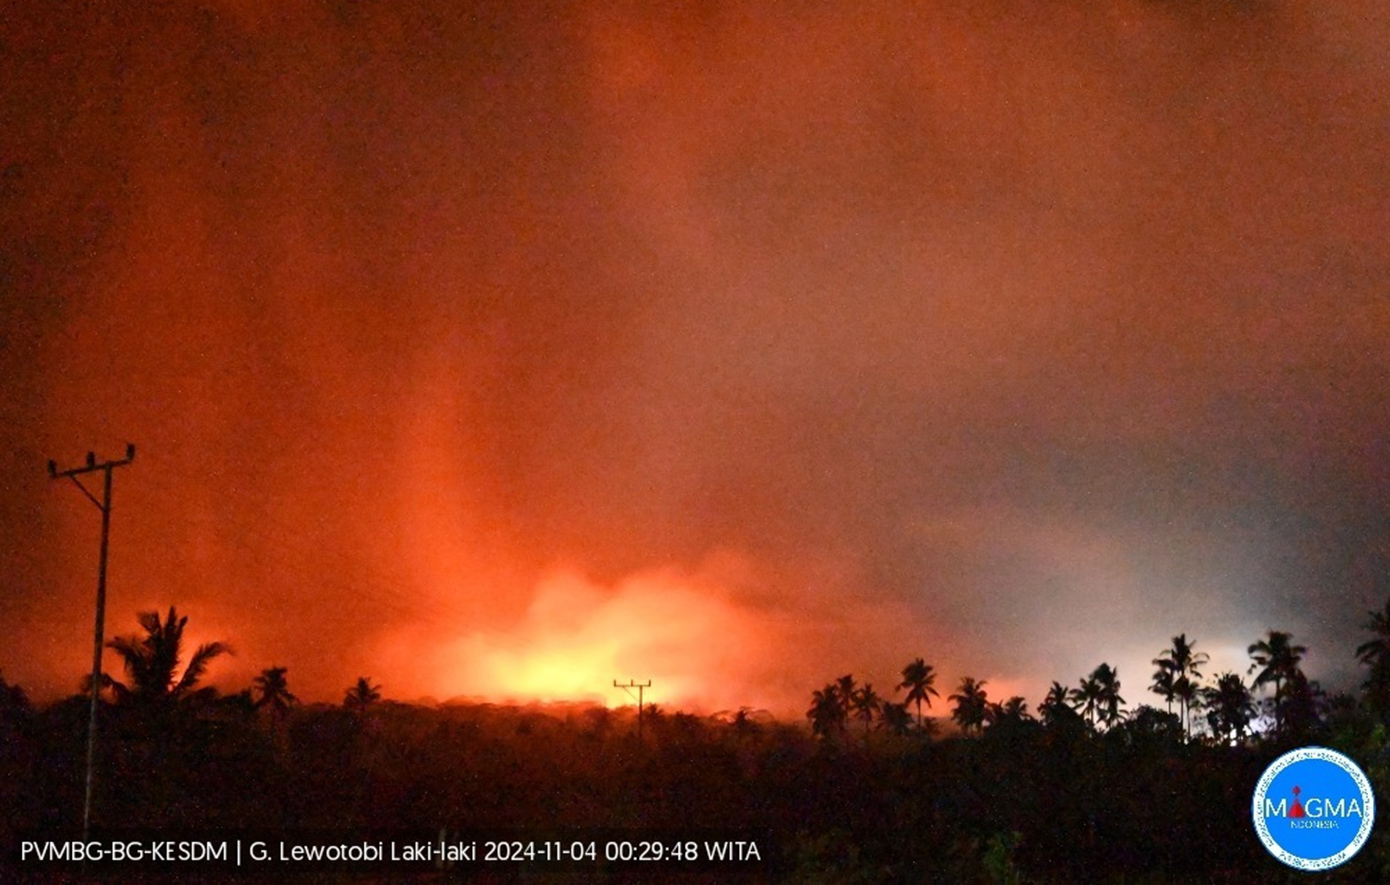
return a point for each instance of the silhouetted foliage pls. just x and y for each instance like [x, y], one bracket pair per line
[1179, 672]
[844, 692]
[274, 690]
[361, 695]
[1056, 709]
[1375, 654]
[1230, 707]
[827, 714]
[866, 704]
[152, 662]
[919, 679]
[1098, 697]
[1149, 729]
[1047, 801]
[14, 703]
[894, 719]
[972, 705]
[1276, 659]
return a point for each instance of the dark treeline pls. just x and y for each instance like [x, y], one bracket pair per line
[871, 792]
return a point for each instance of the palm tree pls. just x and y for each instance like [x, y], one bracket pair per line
[1098, 696]
[1304, 704]
[1009, 714]
[1056, 708]
[919, 680]
[274, 691]
[1375, 653]
[1230, 707]
[1085, 699]
[866, 703]
[742, 724]
[152, 662]
[1056, 696]
[826, 713]
[844, 690]
[1109, 700]
[1015, 708]
[275, 695]
[894, 719]
[1186, 663]
[362, 695]
[1189, 694]
[1277, 659]
[1163, 684]
[971, 705]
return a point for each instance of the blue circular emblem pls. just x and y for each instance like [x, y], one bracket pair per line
[1313, 808]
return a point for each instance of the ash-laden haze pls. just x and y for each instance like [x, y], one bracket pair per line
[506, 350]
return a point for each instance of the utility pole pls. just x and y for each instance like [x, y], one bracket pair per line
[104, 505]
[628, 687]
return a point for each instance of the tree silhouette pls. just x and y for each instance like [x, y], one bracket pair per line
[1015, 708]
[1189, 693]
[742, 724]
[1110, 701]
[844, 691]
[13, 700]
[972, 704]
[894, 719]
[1098, 696]
[152, 662]
[866, 703]
[1375, 654]
[919, 679]
[15, 712]
[826, 713]
[1277, 659]
[1085, 699]
[1151, 729]
[1303, 704]
[1179, 669]
[274, 691]
[1230, 707]
[361, 695]
[275, 695]
[1007, 716]
[656, 719]
[1056, 708]
[1163, 682]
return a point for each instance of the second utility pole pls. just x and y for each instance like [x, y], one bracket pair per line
[631, 684]
[104, 505]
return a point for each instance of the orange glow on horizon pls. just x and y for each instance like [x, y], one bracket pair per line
[706, 642]
[682, 632]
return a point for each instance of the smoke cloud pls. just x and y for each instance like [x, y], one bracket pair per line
[507, 352]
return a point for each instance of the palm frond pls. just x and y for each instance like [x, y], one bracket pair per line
[198, 664]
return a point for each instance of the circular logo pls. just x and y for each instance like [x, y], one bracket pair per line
[1313, 808]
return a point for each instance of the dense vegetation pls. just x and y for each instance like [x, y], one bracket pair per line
[872, 791]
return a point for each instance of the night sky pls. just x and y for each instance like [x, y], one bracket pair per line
[507, 349]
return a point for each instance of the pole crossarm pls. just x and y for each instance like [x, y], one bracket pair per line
[630, 685]
[91, 466]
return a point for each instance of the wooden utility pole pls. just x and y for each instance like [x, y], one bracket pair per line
[104, 505]
[628, 687]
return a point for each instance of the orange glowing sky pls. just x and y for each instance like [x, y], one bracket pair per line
[507, 352]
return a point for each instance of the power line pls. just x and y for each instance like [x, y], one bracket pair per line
[104, 505]
[270, 539]
[276, 544]
[364, 578]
